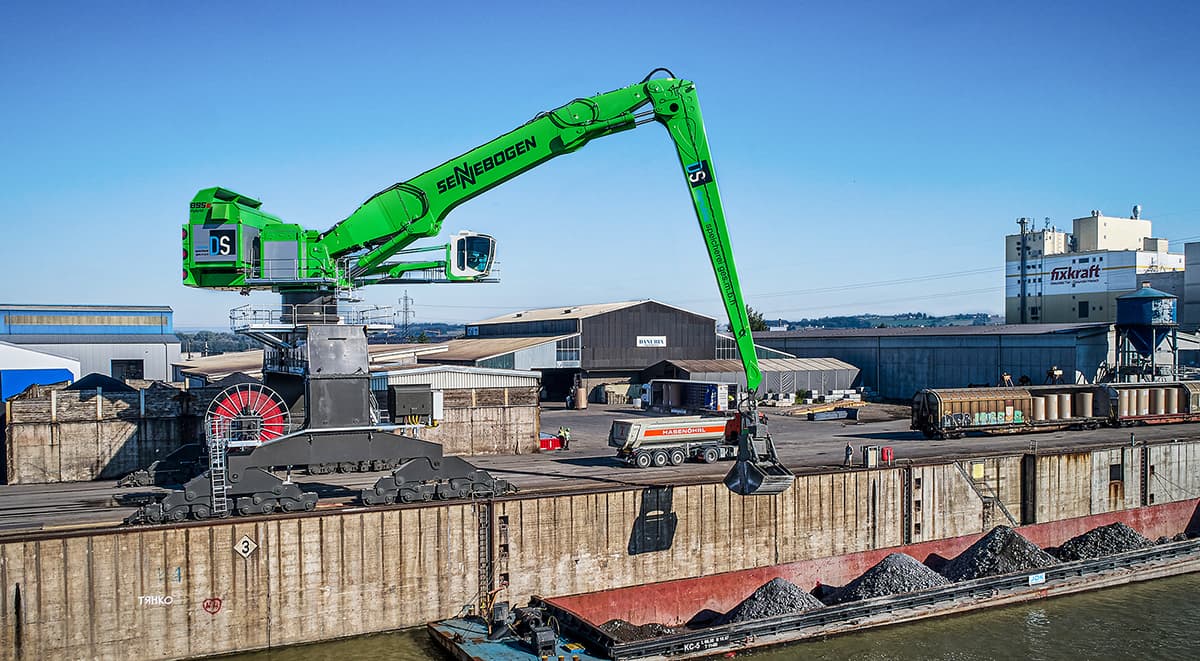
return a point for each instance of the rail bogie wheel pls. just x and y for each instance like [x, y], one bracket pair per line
[660, 458]
[677, 456]
[247, 415]
[642, 460]
[290, 505]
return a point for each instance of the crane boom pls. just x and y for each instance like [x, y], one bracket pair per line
[230, 243]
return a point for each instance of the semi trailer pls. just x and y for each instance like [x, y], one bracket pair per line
[646, 442]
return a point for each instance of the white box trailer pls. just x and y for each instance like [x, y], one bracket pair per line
[690, 396]
[645, 442]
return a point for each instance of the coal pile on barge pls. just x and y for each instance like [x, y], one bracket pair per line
[1102, 541]
[625, 632]
[776, 597]
[895, 574]
[1001, 551]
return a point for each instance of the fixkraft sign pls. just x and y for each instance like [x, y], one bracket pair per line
[651, 341]
[1072, 275]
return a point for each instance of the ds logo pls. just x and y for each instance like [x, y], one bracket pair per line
[222, 242]
[698, 174]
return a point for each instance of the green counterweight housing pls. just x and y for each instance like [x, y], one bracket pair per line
[230, 243]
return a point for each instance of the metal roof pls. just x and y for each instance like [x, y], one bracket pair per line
[39, 352]
[1145, 292]
[572, 312]
[471, 350]
[766, 365]
[87, 308]
[448, 377]
[973, 394]
[1005, 329]
[250, 362]
[92, 338]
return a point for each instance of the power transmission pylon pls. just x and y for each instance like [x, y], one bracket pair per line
[406, 313]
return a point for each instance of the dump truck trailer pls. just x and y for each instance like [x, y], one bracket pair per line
[645, 442]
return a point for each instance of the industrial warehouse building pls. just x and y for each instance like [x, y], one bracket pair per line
[596, 344]
[124, 342]
[1058, 277]
[897, 362]
[780, 375]
[485, 411]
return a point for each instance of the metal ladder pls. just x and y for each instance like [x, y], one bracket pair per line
[483, 512]
[217, 443]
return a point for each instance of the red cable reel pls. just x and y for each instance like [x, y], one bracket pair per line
[247, 415]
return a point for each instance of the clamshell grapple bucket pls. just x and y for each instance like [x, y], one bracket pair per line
[758, 471]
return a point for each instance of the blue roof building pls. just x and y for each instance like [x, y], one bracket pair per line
[121, 341]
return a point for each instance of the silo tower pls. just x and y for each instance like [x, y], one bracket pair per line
[1147, 328]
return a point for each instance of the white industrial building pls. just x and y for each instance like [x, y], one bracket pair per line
[1055, 277]
[21, 367]
[121, 341]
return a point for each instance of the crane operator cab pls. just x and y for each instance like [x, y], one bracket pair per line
[469, 256]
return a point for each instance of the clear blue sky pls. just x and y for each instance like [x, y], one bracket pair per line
[854, 142]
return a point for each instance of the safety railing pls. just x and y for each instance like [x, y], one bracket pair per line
[289, 360]
[248, 317]
[286, 270]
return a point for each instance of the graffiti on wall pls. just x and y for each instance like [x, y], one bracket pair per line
[984, 418]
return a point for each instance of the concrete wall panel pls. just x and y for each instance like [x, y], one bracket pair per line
[1064, 486]
[1173, 473]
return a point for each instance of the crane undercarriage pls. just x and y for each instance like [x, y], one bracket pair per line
[323, 369]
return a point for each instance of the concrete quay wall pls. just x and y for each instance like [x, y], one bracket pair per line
[69, 436]
[212, 588]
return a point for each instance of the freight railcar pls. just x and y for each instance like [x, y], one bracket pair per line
[952, 413]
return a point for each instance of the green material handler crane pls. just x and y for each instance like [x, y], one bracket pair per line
[230, 243]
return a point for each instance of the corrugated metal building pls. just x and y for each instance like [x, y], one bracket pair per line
[897, 362]
[451, 377]
[21, 367]
[598, 343]
[486, 411]
[614, 336]
[121, 341]
[510, 353]
[780, 375]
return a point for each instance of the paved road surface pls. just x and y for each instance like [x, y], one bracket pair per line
[804, 446]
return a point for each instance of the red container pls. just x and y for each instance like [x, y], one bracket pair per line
[886, 454]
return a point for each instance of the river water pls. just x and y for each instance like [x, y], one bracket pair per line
[1153, 620]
